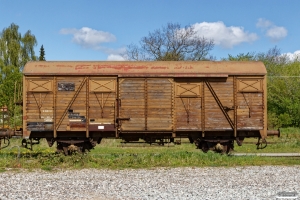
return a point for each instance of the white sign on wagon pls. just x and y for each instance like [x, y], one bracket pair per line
[100, 127]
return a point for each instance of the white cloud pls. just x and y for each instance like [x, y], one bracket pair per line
[273, 32]
[89, 38]
[118, 51]
[115, 57]
[276, 33]
[226, 37]
[293, 56]
[263, 23]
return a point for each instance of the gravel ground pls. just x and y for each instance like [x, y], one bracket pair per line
[159, 183]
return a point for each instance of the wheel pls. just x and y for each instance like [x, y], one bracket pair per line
[204, 146]
[228, 147]
[223, 148]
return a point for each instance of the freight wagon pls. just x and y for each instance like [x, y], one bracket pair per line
[76, 104]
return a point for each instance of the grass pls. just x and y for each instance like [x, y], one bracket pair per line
[110, 155]
[288, 142]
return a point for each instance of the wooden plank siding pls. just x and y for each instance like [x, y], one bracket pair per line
[159, 104]
[132, 104]
[102, 100]
[144, 97]
[252, 105]
[214, 118]
[147, 102]
[188, 113]
[65, 110]
[151, 104]
[39, 105]
[188, 104]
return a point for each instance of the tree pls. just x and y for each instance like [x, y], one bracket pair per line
[15, 51]
[284, 95]
[42, 54]
[172, 42]
[241, 57]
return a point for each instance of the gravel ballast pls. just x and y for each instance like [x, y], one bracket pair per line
[160, 183]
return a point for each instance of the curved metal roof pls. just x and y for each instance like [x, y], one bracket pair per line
[149, 68]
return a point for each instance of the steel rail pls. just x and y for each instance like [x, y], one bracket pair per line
[267, 154]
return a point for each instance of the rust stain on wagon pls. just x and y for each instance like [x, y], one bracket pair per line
[125, 67]
[78, 67]
[201, 68]
[64, 66]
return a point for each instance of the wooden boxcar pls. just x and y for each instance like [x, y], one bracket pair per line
[76, 104]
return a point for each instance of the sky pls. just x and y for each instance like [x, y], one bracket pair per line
[100, 30]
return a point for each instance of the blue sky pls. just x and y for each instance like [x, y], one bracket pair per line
[101, 30]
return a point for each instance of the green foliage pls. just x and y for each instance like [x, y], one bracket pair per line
[284, 93]
[283, 86]
[42, 54]
[241, 57]
[288, 142]
[15, 51]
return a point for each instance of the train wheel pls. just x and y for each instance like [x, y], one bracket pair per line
[230, 147]
[69, 149]
[204, 146]
[223, 148]
[66, 148]
[59, 147]
[227, 147]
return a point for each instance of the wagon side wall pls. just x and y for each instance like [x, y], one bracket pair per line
[67, 106]
[86, 103]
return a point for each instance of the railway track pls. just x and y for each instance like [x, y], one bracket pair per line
[267, 154]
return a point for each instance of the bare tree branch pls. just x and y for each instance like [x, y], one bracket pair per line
[171, 43]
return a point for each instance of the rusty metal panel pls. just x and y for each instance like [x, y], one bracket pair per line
[146, 69]
[36, 85]
[250, 85]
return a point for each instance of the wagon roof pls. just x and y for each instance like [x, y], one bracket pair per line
[146, 68]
